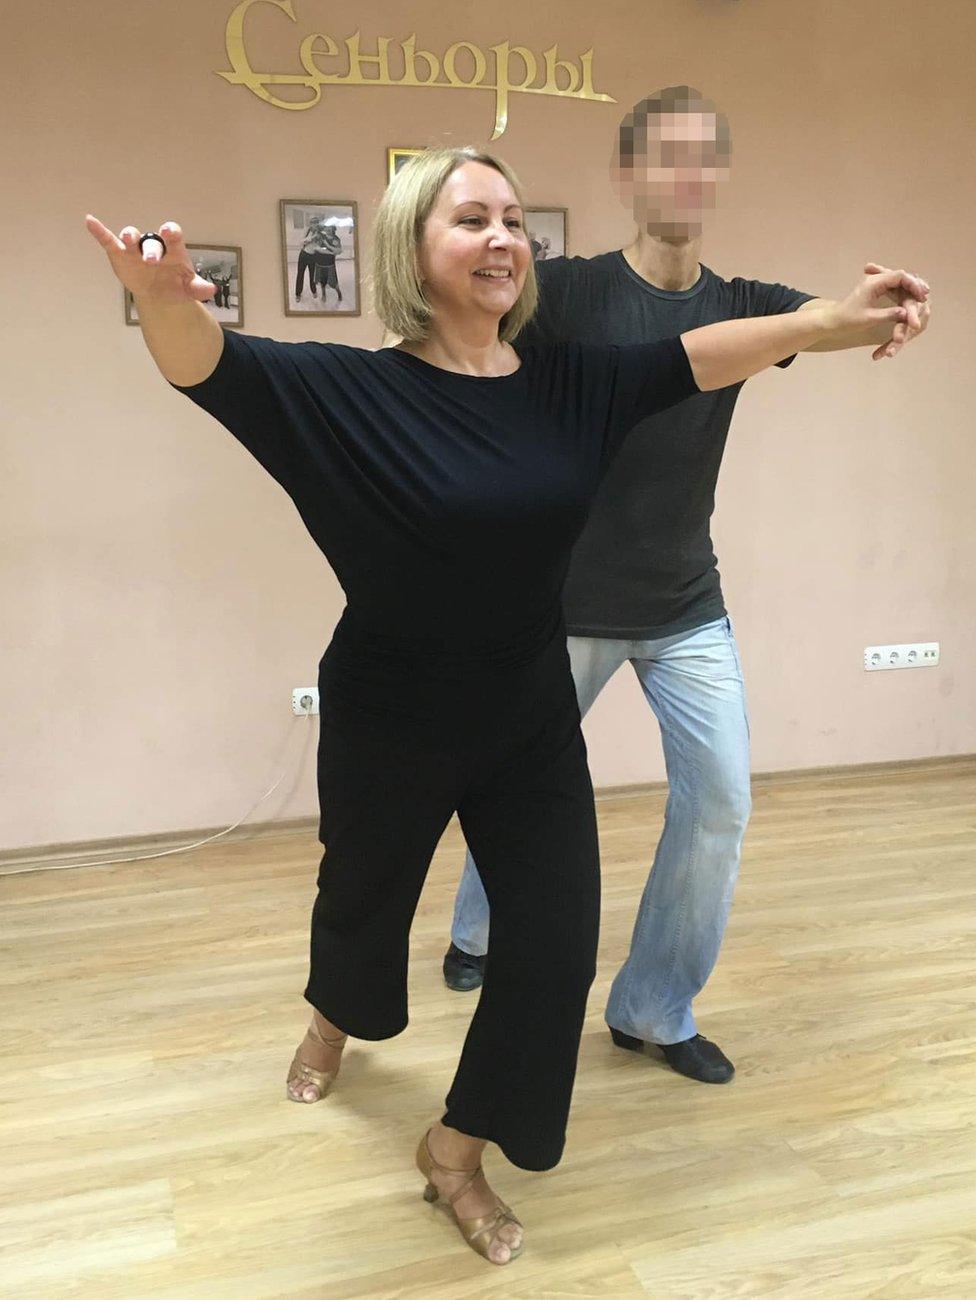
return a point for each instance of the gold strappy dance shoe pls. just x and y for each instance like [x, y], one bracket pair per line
[478, 1233]
[303, 1075]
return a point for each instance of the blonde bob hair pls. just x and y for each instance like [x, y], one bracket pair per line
[398, 295]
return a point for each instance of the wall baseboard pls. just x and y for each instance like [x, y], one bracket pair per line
[793, 775]
[43, 857]
[51, 857]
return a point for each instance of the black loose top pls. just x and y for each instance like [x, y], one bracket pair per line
[447, 504]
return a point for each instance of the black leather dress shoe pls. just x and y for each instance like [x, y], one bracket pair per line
[696, 1058]
[462, 972]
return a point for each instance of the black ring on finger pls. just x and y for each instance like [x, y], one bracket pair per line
[151, 234]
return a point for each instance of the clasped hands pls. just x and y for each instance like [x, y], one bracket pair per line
[881, 285]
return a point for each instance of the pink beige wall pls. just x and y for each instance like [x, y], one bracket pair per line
[159, 598]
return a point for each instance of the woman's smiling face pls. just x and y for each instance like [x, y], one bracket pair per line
[474, 254]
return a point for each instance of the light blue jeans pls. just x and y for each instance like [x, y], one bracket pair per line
[693, 682]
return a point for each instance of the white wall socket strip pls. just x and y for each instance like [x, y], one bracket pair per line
[917, 654]
[304, 699]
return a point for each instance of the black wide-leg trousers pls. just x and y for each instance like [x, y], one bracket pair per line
[505, 751]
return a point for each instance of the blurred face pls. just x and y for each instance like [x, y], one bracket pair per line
[474, 254]
[675, 173]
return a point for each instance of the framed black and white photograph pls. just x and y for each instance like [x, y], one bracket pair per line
[546, 229]
[398, 157]
[222, 265]
[320, 257]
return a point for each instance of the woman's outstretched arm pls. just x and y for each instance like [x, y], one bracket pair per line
[733, 350]
[183, 337]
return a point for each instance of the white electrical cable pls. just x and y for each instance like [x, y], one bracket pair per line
[165, 853]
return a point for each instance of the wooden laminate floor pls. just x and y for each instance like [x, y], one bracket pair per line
[149, 1014]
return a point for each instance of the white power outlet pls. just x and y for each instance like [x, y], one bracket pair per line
[917, 654]
[304, 699]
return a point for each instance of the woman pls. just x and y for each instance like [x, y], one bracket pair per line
[325, 250]
[446, 480]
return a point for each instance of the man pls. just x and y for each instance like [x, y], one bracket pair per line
[643, 586]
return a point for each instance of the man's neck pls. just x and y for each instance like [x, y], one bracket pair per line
[666, 263]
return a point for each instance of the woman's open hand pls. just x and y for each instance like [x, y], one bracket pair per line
[184, 338]
[169, 279]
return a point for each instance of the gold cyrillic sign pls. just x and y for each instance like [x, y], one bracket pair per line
[503, 68]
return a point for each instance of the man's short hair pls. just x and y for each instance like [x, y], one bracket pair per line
[632, 134]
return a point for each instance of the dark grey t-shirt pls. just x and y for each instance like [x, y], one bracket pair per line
[644, 566]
